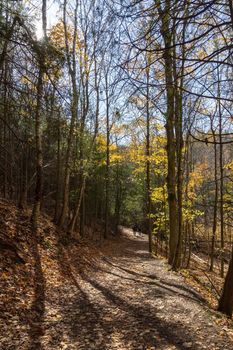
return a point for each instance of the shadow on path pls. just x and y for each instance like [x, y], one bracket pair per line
[96, 313]
[80, 305]
[190, 294]
[144, 316]
[36, 316]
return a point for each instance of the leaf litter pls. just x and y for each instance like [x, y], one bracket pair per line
[59, 293]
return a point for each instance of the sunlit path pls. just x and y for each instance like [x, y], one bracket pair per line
[131, 301]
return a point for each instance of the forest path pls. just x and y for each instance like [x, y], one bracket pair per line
[118, 297]
[130, 301]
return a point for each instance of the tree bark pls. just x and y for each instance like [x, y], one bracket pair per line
[74, 109]
[107, 163]
[39, 157]
[170, 119]
[214, 229]
[225, 304]
[148, 170]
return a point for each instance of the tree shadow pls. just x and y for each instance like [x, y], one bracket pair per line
[138, 248]
[94, 322]
[100, 308]
[36, 314]
[172, 333]
[170, 288]
[190, 294]
[136, 320]
[81, 306]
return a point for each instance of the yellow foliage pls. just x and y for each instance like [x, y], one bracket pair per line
[159, 194]
[196, 179]
[57, 36]
[229, 166]
[101, 143]
[25, 80]
[115, 157]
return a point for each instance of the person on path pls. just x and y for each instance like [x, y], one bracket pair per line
[137, 230]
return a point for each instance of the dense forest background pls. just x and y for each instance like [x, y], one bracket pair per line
[115, 113]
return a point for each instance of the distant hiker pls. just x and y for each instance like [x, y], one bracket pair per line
[137, 230]
[140, 231]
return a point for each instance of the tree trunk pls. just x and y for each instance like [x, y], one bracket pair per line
[38, 131]
[78, 206]
[74, 109]
[58, 171]
[39, 158]
[170, 119]
[107, 162]
[221, 176]
[148, 175]
[226, 300]
[214, 229]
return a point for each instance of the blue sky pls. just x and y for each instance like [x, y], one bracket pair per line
[52, 16]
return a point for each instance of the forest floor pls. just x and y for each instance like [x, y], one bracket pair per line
[77, 296]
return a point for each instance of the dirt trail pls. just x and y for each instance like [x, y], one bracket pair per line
[128, 301]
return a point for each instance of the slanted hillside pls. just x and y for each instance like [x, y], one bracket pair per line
[26, 261]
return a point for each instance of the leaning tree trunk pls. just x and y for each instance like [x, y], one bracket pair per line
[226, 300]
[78, 205]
